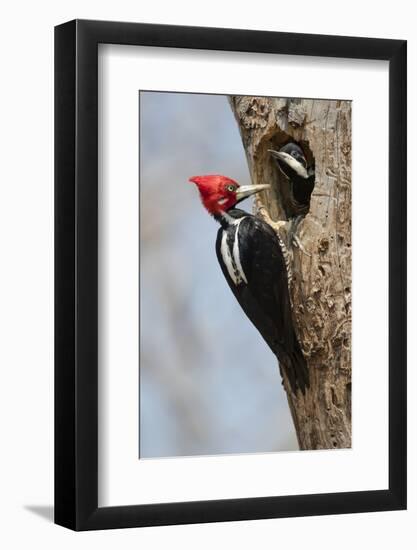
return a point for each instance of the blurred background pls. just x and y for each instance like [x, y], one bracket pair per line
[208, 382]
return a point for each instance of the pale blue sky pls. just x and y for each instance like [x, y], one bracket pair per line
[208, 382]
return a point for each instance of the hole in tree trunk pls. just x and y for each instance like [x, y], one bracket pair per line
[294, 184]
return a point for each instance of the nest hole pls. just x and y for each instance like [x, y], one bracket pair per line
[293, 189]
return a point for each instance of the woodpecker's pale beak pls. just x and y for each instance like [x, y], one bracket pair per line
[247, 190]
[290, 161]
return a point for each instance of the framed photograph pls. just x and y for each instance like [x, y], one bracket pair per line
[230, 252]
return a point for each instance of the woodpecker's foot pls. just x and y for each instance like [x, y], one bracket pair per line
[292, 230]
[298, 244]
[293, 238]
[280, 224]
[280, 227]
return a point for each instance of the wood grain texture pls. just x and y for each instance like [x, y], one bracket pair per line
[321, 263]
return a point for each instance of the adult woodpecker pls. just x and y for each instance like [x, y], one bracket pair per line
[253, 263]
[292, 163]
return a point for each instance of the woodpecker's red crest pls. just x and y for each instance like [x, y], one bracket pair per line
[218, 193]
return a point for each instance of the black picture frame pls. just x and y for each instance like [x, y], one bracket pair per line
[76, 271]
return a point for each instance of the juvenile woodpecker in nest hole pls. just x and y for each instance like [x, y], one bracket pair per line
[292, 162]
[252, 261]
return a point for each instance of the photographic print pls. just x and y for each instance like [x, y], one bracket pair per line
[245, 274]
[203, 275]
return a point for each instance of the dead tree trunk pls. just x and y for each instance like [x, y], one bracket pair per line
[321, 260]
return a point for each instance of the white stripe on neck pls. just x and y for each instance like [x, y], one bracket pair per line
[231, 258]
[236, 254]
[228, 218]
[227, 258]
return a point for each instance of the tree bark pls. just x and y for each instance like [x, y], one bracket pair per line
[320, 260]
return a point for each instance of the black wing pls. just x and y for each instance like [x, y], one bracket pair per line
[265, 298]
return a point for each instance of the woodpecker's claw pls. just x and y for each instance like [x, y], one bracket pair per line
[262, 210]
[293, 238]
[298, 244]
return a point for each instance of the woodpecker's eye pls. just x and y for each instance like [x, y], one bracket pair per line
[231, 188]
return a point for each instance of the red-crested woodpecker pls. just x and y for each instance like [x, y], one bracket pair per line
[252, 260]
